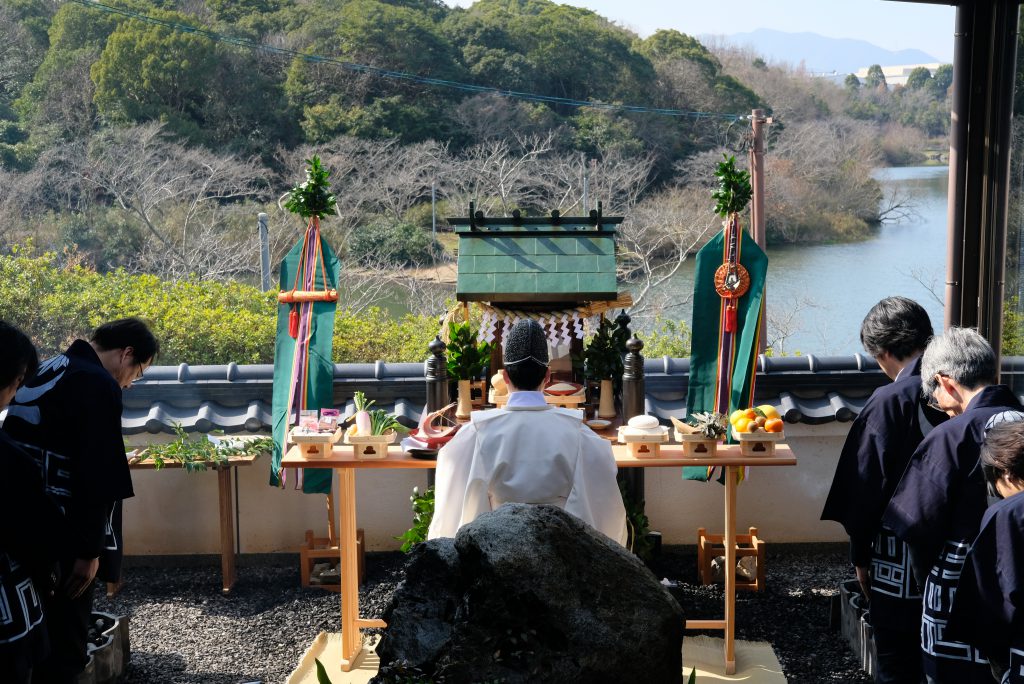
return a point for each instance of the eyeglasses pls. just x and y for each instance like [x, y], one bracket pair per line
[933, 404]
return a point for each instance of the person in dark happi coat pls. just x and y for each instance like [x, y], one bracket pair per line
[878, 447]
[988, 609]
[938, 506]
[32, 535]
[69, 419]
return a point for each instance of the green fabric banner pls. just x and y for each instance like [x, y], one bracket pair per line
[707, 332]
[320, 389]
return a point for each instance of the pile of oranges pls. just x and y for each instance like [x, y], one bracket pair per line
[762, 418]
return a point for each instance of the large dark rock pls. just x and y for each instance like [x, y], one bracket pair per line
[530, 594]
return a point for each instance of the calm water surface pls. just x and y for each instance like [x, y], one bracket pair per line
[817, 295]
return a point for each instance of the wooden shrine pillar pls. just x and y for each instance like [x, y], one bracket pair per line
[633, 404]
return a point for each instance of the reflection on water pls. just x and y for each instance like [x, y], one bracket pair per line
[817, 295]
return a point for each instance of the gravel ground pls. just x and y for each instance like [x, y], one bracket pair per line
[184, 631]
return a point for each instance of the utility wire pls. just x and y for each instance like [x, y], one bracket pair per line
[403, 75]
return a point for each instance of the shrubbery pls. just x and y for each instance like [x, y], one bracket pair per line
[55, 300]
[383, 241]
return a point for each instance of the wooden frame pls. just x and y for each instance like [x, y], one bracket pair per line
[343, 461]
[710, 546]
[226, 505]
[319, 548]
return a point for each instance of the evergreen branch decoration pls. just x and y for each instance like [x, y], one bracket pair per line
[602, 357]
[423, 513]
[196, 454]
[466, 357]
[314, 197]
[734, 191]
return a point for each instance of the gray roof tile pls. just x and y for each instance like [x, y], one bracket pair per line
[237, 398]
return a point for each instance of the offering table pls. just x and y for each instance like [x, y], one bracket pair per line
[346, 464]
[226, 505]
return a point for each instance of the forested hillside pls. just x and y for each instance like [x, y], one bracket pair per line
[148, 135]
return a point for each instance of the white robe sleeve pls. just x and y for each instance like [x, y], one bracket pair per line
[454, 463]
[595, 494]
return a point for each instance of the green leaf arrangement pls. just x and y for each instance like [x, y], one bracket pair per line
[314, 197]
[422, 514]
[734, 191]
[603, 354]
[466, 358]
[381, 421]
[196, 455]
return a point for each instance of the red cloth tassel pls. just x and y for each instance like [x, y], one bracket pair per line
[730, 317]
[293, 323]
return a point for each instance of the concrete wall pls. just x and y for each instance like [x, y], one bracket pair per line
[174, 512]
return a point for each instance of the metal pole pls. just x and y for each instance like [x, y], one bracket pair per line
[757, 223]
[958, 164]
[757, 121]
[264, 251]
[583, 163]
[433, 220]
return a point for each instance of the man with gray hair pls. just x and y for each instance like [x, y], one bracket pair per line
[938, 506]
[527, 452]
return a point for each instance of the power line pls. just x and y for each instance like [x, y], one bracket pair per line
[402, 75]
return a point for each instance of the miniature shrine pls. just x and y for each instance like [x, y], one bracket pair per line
[557, 270]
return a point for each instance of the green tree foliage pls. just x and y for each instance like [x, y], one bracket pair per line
[562, 50]
[383, 241]
[196, 322]
[852, 82]
[57, 103]
[1013, 328]
[338, 101]
[918, 78]
[941, 81]
[875, 78]
[667, 337]
[150, 72]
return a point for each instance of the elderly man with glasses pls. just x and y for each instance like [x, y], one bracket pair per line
[938, 506]
[68, 417]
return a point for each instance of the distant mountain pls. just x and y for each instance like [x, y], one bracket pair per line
[822, 54]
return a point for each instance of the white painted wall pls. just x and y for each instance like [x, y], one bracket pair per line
[174, 512]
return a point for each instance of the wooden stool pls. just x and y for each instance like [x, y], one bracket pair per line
[710, 546]
[322, 548]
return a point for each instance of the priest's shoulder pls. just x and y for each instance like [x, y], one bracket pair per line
[477, 417]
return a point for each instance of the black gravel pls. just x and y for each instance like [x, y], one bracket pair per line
[184, 631]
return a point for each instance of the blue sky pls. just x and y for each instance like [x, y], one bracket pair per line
[891, 25]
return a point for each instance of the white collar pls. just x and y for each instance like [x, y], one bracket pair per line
[522, 399]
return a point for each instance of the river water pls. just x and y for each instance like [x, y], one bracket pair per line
[817, 295]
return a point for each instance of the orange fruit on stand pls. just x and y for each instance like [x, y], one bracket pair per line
[742, 424]
[750, 413]
[773, 425]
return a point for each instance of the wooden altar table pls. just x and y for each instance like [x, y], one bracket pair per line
[342, 460]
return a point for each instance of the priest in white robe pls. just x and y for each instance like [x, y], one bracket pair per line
[527, 452]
